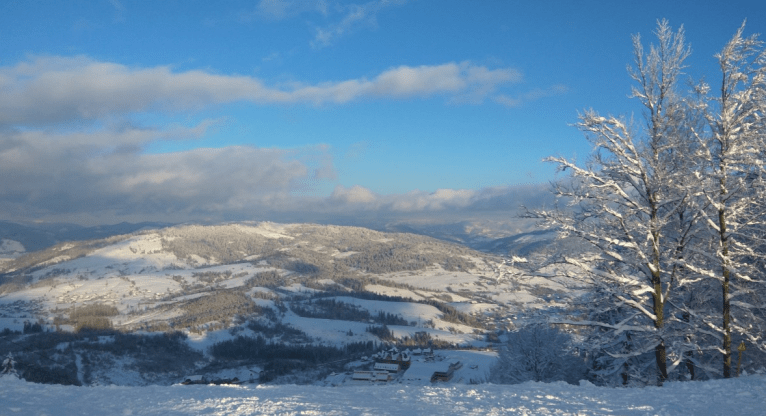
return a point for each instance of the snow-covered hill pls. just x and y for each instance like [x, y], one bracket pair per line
[329, 284]
[148, 276]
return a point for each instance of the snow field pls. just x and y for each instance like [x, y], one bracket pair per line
[438, 279]
[330, 331]
[412, 312]
[743, 396]
[393, 291]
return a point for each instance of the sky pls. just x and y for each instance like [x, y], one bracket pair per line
[121, 110]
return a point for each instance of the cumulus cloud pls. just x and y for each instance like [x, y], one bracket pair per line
[78, 172]
[354, 195]
[56, 89]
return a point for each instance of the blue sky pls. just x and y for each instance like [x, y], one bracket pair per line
[197, 110]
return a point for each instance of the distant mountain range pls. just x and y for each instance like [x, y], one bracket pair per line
[511, 236]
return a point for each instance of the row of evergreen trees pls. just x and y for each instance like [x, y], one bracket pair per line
[322, 308]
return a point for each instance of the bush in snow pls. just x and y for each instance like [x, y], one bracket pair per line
[538, 352]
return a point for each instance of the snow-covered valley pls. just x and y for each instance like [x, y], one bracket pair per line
[110, 317]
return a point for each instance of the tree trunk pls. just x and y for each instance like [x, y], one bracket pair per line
[659, 305]
[661, 356]
[725, 285]
[688, 354]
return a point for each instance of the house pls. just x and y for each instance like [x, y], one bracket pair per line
[394, 357]
[391, 367]
[219, 381]
[371, 376]
[195, 379]
[446, 375]
[403, 364]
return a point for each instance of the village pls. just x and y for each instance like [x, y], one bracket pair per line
[418, 366]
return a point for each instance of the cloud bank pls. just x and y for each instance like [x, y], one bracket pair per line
[504, 198]
[105, 177]
[70, 146]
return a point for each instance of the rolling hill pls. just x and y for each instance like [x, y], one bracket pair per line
[294, 284]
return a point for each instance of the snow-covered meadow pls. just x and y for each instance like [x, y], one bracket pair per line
[741, 396]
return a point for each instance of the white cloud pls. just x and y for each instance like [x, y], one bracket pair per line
[434, 201]
[407, 81]
[508, 199]
[354, 195]
[54, 89]
[355, 16]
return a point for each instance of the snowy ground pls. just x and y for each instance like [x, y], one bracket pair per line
[743, 396]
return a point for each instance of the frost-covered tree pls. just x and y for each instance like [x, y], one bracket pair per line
[537, 352]
[9, 366]
[625, 203]
[672, 208]
[732, 176]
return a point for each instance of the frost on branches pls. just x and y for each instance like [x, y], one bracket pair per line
[731, 175]
[671, 209]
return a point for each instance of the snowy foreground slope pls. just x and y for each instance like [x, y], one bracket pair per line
[743, 396]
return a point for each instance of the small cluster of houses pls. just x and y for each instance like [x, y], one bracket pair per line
[386, 364]
[390, 362]
[395, 355]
